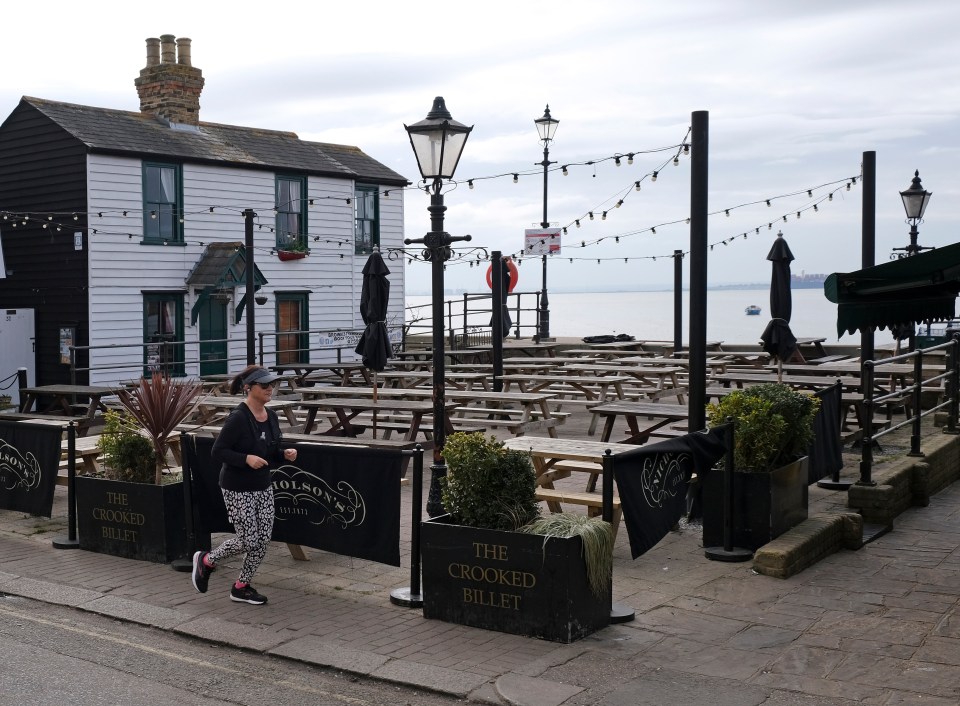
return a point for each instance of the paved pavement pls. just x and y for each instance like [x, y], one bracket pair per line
[877, 626]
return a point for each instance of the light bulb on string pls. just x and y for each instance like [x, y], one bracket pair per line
[563, 170]
[630, 158]
[653, 177]
[637, 186]
[516, 178]
[676, 161]
[591, 215]
[470, 183]
[830, 196]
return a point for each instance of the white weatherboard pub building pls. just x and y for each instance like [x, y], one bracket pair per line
[122, 227]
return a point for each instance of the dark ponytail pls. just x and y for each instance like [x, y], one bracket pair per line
[237, 384]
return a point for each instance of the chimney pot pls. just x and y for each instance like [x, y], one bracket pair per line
[183, 51]
[153, 51]
[169, 88]
[168, 52]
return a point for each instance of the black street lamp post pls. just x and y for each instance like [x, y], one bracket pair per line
[546, 127]
[437, 142]
[915, 200]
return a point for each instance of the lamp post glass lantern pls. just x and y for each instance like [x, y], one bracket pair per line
[915, 200]
[437, 142]
[546, 128]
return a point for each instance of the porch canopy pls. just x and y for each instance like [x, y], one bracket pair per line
[908, 291]
[221, 268]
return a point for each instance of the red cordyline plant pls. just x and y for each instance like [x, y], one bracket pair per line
[159, 404]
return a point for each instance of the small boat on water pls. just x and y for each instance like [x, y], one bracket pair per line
[752, 310]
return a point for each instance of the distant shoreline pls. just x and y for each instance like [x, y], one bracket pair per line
[757, 285]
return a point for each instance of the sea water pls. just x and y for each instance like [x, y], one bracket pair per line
[649, 315]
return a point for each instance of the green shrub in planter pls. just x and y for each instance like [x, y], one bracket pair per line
[486, 484]
[774, 424]
[128, 455]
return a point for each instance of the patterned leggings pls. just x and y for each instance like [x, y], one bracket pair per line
[252, 515]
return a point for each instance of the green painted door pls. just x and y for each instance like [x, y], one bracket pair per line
[213, 334]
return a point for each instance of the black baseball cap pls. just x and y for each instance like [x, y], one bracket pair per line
[261, 376]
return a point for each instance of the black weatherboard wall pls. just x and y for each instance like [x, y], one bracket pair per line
[43, 172]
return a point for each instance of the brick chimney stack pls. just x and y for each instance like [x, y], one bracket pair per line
[169, 86]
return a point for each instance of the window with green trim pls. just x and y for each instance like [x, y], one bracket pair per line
[367, 215]
[163, 333]
[291, 208]
[162, 203]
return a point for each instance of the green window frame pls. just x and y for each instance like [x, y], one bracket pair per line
[163, 333]
[367, 218]
[291, 210]
[293, 321]
[162, 203]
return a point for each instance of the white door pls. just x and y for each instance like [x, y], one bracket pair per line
[17, 350]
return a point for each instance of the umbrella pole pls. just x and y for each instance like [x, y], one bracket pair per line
[779, 369]
[375, 403]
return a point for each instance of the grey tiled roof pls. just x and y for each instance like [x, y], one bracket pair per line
[126, 132]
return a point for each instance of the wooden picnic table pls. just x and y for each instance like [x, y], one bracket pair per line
[302, 372]
[416, 378]
[597, 352]
[347, 409]
[813, 382]
[646, 376]
[594, 388]
[815, 343]
[554, 459]
[65, 399]
[212, 407]
[660, 414]
[518, 412]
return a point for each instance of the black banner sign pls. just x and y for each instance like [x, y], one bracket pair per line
[29, 457]
[340, 499]
[653, 481]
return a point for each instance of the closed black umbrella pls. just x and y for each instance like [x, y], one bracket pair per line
[777, 339]
[374, 344]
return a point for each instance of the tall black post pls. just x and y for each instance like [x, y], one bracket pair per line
[868, 238]
[677, 301]
[697, 400]
[496, 320]
[248, 216]
[544, 332]
[437, 243]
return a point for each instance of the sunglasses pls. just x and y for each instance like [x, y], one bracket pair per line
[271, 385]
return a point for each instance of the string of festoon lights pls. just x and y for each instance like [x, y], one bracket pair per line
[820, 194]
[109, 222]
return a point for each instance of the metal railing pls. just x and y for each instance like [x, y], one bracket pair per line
[467, 319]
[171, 356]
[912, 398]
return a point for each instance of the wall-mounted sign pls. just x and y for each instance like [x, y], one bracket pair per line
[68, 337]
[541, 241]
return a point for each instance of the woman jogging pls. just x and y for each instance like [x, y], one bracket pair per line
[248, 447]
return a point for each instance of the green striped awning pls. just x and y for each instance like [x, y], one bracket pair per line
[923, 287]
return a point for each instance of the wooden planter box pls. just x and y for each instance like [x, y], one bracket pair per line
[132, 520]
[765, 505]
[509, 581]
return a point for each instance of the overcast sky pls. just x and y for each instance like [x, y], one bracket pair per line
[796, 92]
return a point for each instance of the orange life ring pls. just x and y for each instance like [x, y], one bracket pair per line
[514, 275]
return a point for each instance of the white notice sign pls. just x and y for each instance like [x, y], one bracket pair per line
[541, 241]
